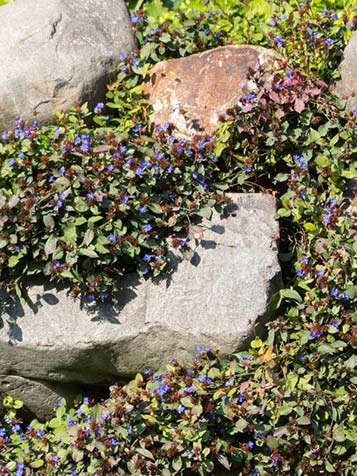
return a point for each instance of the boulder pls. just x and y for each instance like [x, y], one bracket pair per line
[217, 298]
[347, 87]
[195, 91]
[56, 52]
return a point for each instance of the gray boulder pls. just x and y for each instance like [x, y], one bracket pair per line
[56, 52]
[217, 298]
[347, 87]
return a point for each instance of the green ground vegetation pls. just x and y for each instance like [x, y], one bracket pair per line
[286, 405]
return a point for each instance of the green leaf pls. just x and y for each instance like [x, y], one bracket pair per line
[146, 453]
[13, 261]
[88, 252]
[326, 349]
[177, 463]
[290, 294]
[323, 161]
[304, 420]
[70, 234]
[338, 433]
[50, 245]
[48, 221]
[309, 226]
[351, 363]
[88, 236]
[205, 212]
[155, 208]
[329, 467]
[186, 402]
[37, 464]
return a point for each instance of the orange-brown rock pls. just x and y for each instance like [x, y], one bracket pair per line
[193, 92]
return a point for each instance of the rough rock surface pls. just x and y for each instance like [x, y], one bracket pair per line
[55, 52]
[215, 299]
[347, 87]
[195, 91]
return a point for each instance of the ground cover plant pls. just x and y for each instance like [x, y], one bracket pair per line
[288, 404]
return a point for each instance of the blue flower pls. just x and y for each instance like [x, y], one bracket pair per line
[99, 107]
[279, 41]
[130, 430]
[56, 264]
[125, 199]
[334, 292]
[250, 444]
[111, 237]
[137, 127]
[345, 296]
[300, 273]
[335, 324]
[59, 204]
[90, 196]
[255, 471]
[334, 16]
[58, 131]
[246, 97]
[305, 260]
[139, 172]
[91, 298]
[300, 160]
[62, 170]
[61, 195]
[147, 228]
[135, 62]
[199, 349]
[85, 400]
[190, 454]
[10, 162]
[85, 147]
[142, 210]
[354, 112]
[4, 136]
[147, 258]
[247, 169]
[190, 389]
[40, 432]
[19, 469]
[316, 334]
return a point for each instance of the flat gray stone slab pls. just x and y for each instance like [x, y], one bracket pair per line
[216, 300]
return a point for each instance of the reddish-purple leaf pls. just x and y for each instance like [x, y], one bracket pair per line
[299, 105]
